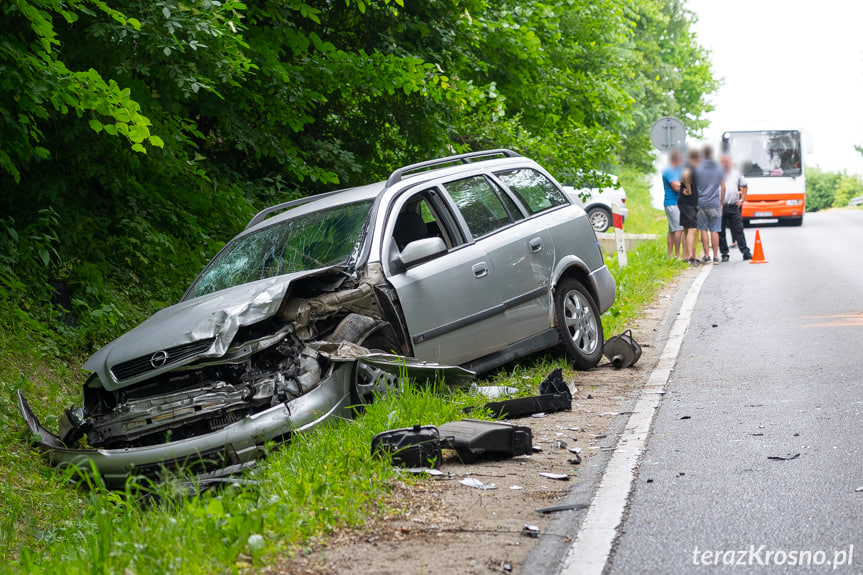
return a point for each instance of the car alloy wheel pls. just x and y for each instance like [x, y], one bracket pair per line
[600, 219]
[578, 323]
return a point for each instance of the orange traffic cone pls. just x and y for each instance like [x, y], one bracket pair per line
[758, 258]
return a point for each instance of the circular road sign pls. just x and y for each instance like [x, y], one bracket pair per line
[668, 133]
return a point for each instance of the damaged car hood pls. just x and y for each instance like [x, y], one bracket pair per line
[203, 327]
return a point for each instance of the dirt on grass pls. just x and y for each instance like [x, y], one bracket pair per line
[442, 526]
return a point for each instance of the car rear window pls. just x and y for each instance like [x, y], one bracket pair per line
[536, 191]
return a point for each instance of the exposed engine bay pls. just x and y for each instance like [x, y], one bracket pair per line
[270, 363]
[183, 404]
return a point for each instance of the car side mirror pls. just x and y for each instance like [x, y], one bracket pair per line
[419, 251]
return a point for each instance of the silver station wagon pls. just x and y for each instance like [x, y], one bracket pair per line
[449, 268]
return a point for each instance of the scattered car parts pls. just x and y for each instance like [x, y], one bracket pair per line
[554, 396]
[413, 447]
[473, 439]
[622, 350]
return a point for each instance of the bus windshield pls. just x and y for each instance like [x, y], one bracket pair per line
[765, 154]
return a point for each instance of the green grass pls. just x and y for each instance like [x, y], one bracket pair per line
[325, 480]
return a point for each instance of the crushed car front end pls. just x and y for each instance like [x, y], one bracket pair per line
[253, 353]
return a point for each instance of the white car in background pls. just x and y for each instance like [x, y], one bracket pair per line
[598, 203]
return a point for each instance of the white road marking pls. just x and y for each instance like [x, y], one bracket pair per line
[589, 552]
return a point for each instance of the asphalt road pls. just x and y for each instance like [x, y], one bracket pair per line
[771, 366]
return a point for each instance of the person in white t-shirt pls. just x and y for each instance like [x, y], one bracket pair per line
[736, 188]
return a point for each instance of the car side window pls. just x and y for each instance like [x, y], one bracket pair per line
[479, 204]
[424, 216]
[535, 190]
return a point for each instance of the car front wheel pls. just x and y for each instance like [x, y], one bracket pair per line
[600, 219]
[578, 323]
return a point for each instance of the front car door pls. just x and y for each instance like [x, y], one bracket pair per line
[451, 302]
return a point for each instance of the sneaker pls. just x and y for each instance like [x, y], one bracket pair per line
[705, 260]
[747, 257]
[693, 262]
[734, 245]
[725, 258]
[715, 262]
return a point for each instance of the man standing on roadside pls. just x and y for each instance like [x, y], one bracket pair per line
[711, 196]
[671, 178]
[687, 203]
[736, 187]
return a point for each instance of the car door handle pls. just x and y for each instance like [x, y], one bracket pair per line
[480, 270]
[535, 245]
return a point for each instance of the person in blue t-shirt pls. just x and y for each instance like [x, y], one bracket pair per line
[671, 178]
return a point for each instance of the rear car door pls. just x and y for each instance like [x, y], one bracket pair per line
[451, 301]
[520, 249]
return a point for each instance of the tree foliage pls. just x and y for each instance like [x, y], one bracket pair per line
[138, 136]
[830, 189]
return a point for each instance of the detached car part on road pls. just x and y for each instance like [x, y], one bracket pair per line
[472, 261]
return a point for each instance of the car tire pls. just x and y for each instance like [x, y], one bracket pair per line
[792, 222]
[578, 324]
[600, 219]
[367, 382]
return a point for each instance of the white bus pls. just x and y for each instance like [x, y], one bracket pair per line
[772, 162]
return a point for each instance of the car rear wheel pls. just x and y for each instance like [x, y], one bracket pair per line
[600, 219]
[578, 323]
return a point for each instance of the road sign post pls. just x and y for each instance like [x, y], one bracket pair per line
[619, 240]
[667, 134]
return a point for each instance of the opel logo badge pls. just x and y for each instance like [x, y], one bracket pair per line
[159, 359]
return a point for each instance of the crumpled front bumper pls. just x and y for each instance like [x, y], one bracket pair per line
[237, 443]
[243, 441]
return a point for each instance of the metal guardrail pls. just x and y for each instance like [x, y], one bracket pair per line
[858, 201]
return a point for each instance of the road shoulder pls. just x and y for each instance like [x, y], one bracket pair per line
[442, 526]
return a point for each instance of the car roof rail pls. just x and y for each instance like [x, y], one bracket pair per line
[400, 173]
[262, 215]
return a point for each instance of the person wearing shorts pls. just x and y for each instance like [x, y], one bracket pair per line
[687, 204]
[711, 195]
[671, 184]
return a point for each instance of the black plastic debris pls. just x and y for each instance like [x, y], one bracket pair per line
[686, 417]
[783, 457]
[562, 507]
[553, 383]
[554, 395]
[473, 439]
[417, 446]
[622, 350]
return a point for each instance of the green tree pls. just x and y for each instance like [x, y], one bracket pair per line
[820, 188]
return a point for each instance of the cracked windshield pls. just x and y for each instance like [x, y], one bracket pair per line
[308, 242]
